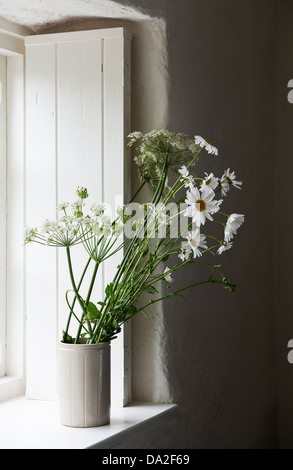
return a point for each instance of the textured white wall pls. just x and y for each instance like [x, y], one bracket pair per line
[38, 13]
[149, 91]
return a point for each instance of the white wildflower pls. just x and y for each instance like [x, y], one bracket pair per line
[229, 179]
[29, 234]
[167, 275]
[186, 177]
[210, 182]
[134, 136]
[224, 247]
[98, 209]
[205, 143]
[196, 240]
[62, 206]
[201, 205]
[103, 225]
[185, 253]
[49, 226]
[77, 208]
[233, 223]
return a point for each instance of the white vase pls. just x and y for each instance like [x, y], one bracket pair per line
[84, 384]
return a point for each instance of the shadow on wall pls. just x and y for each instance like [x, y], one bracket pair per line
[149, 110]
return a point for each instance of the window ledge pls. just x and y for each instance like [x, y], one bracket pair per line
[34, 424]
[11, 387]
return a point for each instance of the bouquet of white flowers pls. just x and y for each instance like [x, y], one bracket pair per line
[170, 224]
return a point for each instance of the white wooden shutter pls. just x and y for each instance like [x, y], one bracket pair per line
[77, 120]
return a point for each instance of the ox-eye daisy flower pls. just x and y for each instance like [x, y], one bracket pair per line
[229, 179]
[186, 177]
[210, 182]
[205, 143]
[196, 240]
[224, 247]
[201, 205]
[233, 223]
[185, 253]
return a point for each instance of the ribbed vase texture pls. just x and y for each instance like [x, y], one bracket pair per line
[84, 384]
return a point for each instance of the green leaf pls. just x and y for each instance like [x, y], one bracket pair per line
[150, 289]
[131, 310]
[93, 312]
[109, 289]
[180, 295]
[66, 338]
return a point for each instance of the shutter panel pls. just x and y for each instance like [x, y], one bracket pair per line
[78, 117]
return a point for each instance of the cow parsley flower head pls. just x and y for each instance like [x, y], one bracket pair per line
[151, 151]
[77, 208]
[82, 192]
[98, 209]
[29, 234]
[62, 206]
[102, 226]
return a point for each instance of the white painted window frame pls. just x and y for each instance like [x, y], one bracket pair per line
[12, 256]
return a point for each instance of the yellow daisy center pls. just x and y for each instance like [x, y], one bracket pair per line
[192, 242]
[202, 205]
[208, 181]
[208, 141]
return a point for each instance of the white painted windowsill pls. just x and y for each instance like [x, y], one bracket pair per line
[34, 424]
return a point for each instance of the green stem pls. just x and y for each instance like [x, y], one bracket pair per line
[73, 303]
[74, 287]
[151, 302]
[137, 192]
[157, 196]
[87, 301]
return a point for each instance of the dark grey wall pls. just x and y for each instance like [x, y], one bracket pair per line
[221, 351]
[228, 79]
[283, 221]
